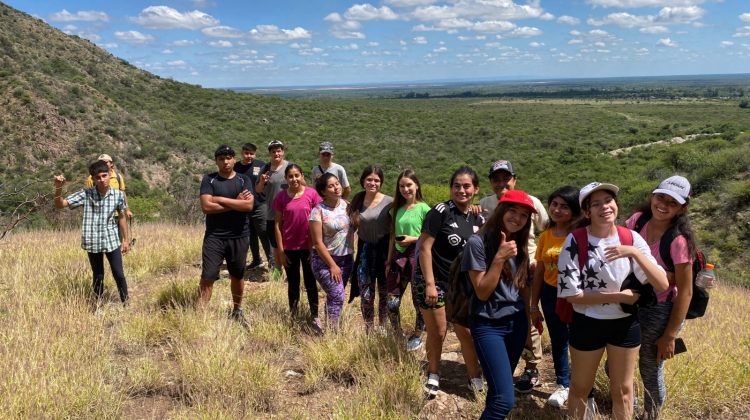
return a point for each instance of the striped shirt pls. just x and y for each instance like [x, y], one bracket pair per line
[99, 232]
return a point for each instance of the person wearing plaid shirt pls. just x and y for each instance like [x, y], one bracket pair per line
[102, 232]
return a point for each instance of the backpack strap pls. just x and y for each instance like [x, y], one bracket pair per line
[642, 220]
[119, 181]
[665, 248]
[625, 234]
[582, 240]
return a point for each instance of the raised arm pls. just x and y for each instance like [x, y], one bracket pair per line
[485, 282]
[60, 202]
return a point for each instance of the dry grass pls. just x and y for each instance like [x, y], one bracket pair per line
[59, 359]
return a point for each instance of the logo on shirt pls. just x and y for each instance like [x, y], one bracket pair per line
[454, 239]
[454, 225]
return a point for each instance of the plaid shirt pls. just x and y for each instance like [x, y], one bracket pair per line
[99, 232]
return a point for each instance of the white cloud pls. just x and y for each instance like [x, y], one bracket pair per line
[110, 45]
[222, 32]
[482, 9]
[635, 4]
[369, 12]
[493, 26]
[176, 63]
[547, 16]
[372, 44]
[164, 17]
[420, 40]
[745, 17]
[134, 37]
[575, 41]
[167, 51]
[434, 13]
[83, 15]
[472, 38]
[343, 34]
[183, 43]
[440, 50]
[600, 44]
[310, 51]
[666, 16]
[654, 30]
[273, 34]
[536, 44]
[349, 47]
[333, 17]
[666, 42]
[221, 44]
[568, 20]
[523, 32]
[742, 32]
[409, 3]
[70, 28]
[726, 44]
[642, 51]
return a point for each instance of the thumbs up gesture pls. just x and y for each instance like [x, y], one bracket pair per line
[507, 248]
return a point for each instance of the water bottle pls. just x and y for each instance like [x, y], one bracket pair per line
[706, 277]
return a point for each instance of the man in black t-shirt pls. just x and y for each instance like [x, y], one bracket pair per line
[225, 200]
[251, 167]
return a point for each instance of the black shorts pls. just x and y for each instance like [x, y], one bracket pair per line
[216, 250]
[588, 334]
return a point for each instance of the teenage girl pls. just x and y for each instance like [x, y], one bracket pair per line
[333, 241]
[292, 209]
[564, 214]
[408, 215]
[445, 231]
[599, 323]
[660, 324]
[498, 266]
[369, 213]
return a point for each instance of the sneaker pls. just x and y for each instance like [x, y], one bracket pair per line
[415, 343]
[432, 386]
[253, 265]
[591, 410]
[239, 316]
[559, 397]
[528, 380]
[316, 327]
[476, 385]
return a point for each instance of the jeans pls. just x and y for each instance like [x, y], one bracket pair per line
[371, 275]
[258, 231]
[653, 320]
[96, 259]
[499, 344]
[297, 258]
[558, 333]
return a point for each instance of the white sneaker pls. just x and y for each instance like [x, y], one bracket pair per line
[476, 385]
[591, 410]
[559, 397]
[432, 386]
[415, 343]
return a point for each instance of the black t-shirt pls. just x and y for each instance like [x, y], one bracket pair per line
[252, 171]
[231, 224]
[451, 229]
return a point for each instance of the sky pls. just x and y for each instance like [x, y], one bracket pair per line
[258, 43]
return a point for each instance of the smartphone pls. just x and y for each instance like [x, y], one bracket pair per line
[679, 346]
[400, 237]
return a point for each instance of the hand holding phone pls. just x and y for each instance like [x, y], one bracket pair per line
[400, 238]
[679, 346]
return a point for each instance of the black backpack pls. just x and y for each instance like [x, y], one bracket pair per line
[459, 293]
[699, 301]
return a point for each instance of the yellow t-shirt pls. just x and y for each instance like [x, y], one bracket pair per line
[548, 252]
[115, 182]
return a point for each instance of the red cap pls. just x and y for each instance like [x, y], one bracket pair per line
[518, 197]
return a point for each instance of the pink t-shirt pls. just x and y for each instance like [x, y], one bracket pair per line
[295, 229]
[678, 250]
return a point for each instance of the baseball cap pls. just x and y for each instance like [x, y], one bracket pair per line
[595, 186]
[518, 197]
[274, 144]
[105, 157]
[326, 147]
[677, 187]
[223, 150]
[501, 165]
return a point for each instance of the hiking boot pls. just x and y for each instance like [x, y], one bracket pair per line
[591, 409]
[432, 386]
[559, 397]
[415, 343]
[239, 316]
[476, 385]
[528, 380]
[316, 327]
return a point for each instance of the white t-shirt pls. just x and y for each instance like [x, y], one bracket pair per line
[599, 275]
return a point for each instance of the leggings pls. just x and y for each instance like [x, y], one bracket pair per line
[654, 320]
[96, 259]
[334, 289]
[403, 266]
[371, 274]
[297, 258]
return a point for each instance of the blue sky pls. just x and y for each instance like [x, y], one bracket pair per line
[255, 43]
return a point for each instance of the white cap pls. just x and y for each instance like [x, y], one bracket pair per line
[676, 187]
[595, 186]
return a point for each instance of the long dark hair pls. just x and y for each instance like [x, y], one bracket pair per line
[465, 170]
[569, 195]
[359, 198]
[681, 223]
[491, 237]
[291, 166]
[398, 199]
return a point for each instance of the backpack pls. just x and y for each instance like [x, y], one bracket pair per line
[460, 290]
[699, 301]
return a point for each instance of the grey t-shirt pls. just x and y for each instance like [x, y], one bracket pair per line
[505, 299]
[276, 182]
[335, 169]
[375, 222]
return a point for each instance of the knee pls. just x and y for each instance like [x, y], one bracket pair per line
[498, 406]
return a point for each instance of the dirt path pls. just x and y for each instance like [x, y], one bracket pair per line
[673, 140]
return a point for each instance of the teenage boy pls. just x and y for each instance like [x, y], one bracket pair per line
[503, 179]
[103, 232]
[226, 202]
[251, 168]
[116, 180]
[325, 151]
[270, 183]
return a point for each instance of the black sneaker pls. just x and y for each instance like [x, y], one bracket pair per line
[528, 380]
[239, 316]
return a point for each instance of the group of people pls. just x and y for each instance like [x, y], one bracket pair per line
[582, 258]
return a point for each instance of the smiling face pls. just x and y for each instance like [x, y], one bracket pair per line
[665, 208]
[515, 218]
[463, 189]
[559, 211]
[372, 183]
[502, 182]
[408, 189]
[602, 208]
[333, 189]
[294, 178]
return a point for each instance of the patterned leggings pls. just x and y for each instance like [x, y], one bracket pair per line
[653, 320]
[334, 289]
